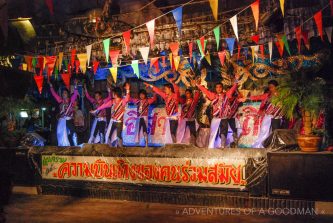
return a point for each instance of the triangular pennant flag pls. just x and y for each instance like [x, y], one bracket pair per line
[151, 29]
[171, 61]
[39, 79]
[238, 51]
[127, 40]
[282, 6]
[286, 44]
[270, 49]
[77, 66]
[106, 44]
[144, 53]
[49, 4]
[200, 47]
[217, 36]
[254, 50]
[190, 49]
[163, 61]
[262, 50]
[331, 5]
[176, 61]
[28, 60]
[305, 37]
[222, 57]
[73, 57]
[34, 62]
[230, 44]
[279, 46]
[154, 62]
[59, 62]
[318, 17]
[203, 44]
[214, 5]
[135, 67]
[174, 47]
[66, 78]
[24, 66]
[56, 72]
[83, 61]
[95, 66]
[88, 50]
[328, 31]
[40, 64]
[207, 57]
[114, 54]
[178, 16]
[255, 11]
[298, 31]
[50, 62]
[234, 25]
[255, 38]
[114, 73]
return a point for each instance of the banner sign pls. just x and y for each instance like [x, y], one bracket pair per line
[194, 172]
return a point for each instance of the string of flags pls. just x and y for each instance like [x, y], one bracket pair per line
[54, 63]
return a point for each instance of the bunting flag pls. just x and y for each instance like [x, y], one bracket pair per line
[305, 37]
[151, 28]
[73, 54]
[135, 67]
[222, 57]
[279, 46]
[214, 5]
[114, 72]
[230, 43]
[49, 4]
[24, 66]
[127, 40]
[286, 44]
[202, 44]
[34, 62]
[40, 64]
[178, 16]
[106, 44]
[50, 62]
[255, 11]
[262, 50]
[331, 5]
[318, 17]
[254, 50]
[66, 78]
[144, 53]
[207, 57]
[238, 51]
[174, 47]
[28, 60]
[114, 54]
[163, 61]
[298, 31]
[39, 79]
[282, 7]
[217, 36]
[154, 62]
[171, 61]
[190, 48]
[270, 49]
[59, 62]
[176, 61]
[255, 38]
[95, 66]
[88, 51]
[200, 47]
[328, 31]
[77, 66]
[83, 57]
[234, 25]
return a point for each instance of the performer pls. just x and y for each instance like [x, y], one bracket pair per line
[65, 126]
[272, 114]
[99, 124]
[171, 97]
[221, 114]
[118, 105]
[187, 119]
[141, 124]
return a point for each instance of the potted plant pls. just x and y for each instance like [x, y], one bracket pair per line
[302, 96]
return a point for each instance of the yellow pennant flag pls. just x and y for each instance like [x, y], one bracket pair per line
[114, 71]
[170, 58]
[208, 58]
[24, 66]
[83, 61]
[60, 57]
[176, 60]
[214, 4]
[282, 6]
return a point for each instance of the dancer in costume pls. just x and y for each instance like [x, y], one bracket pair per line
[171, 96]
[65, 126]
[99, 124]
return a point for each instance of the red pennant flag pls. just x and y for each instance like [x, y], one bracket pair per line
[39, 79]
[222, 57]
[202, 42]
[50, 62]
[262, 50]
[163, 61]
[318, 17]
[73, 54]
[298, 31]
[238, 51]
[154, 62]
[69, 68]
[127, 40]
[255, 11]
[66, 79]
[95, 66]
[279, 47]
[174, 47]
[255, 38]
[77, 66]
[114, 54]
[190, 49]
[331, 4]
[28, 60]
[305, 37]
[40, 61]
[49, 4]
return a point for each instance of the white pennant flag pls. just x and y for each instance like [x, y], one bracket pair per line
[234, 25]
[88, 49]
[144, 53]
[328, 31]
[270, 48]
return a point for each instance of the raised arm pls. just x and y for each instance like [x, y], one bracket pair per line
[210, 95]
[109, 97]
[232, 90]
[159, 92]
[55, 95]
[152, 99]
[176, 89]
[105, 105]
[75, 94]
[91, 99]
[196, 97]
[134, 100]
[259, 97]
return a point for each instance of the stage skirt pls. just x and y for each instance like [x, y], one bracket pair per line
[265, 128]
[62, 133]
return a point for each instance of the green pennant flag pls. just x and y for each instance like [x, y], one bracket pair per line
[285, 42]
[56, 72]
[200, 48]
[217, 36]
[34, 62]
[135, 66]
[66, 63]
[106, 44]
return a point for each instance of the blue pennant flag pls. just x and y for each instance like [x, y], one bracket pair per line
[230, 43]
[178, 15]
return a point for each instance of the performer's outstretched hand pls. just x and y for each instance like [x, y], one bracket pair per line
[127, 86]
[93, 111]
[147, 85]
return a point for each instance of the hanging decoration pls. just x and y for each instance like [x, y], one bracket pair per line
[328, 31]
[262, 50]
[50, 62]
[127, 40]
[233, 21]
[95, 66]
[282, 7]
[114, 54]
[190, 49]
[254, 50]
[305, 37]
[230, 44]
[279, 46]
[39, 79]
[318, 17]
[114, 72]
[88, 51]
[298, 32]
[202, 44]
[66, 78]
[106, 45]
[135, 67]
[270, 49]
[83, 57]
[286, 44]
[176, 61]
[178, 16]
[255, 11]
[214, 5]
[28, 60]
[40, 64]
[154, 62]
[174, 47]
[255, 38]
[73, 55]
[144, 53]
[49, 4]
[207, 57]
[222, 57]
[59, 61]
[151, 28]
[217, 36]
